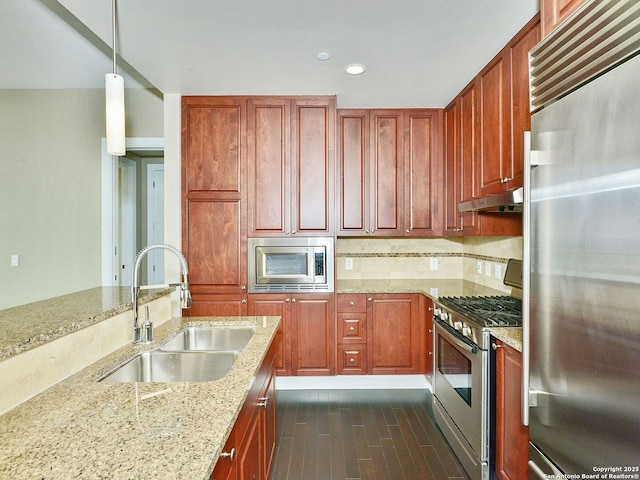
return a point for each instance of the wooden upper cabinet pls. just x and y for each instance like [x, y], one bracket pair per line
[452, 195]
[313, 172]
[423, 172]
[493, 156]
[214, 226]
[269, 165]
[389, 172]
[291, 165]
[353, 172]
[554, 12]
[519, 48]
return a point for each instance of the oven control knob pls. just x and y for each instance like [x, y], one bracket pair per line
[437, 312]
[457, 325]
[466, 331]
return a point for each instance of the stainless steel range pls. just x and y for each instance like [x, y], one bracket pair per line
[463, 369]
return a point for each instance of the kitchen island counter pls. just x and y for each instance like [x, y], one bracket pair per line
[81, 428]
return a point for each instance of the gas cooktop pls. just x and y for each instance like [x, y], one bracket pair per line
[490, 311]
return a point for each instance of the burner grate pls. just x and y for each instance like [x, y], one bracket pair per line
[491, 311]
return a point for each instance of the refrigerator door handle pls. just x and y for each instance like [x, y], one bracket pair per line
[526, 269]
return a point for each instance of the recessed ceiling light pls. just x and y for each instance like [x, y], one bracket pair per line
[323, 56]
[355, 69]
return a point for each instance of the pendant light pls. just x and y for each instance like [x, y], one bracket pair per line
[114, 94]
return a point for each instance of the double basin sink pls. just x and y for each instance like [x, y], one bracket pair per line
[194, 354]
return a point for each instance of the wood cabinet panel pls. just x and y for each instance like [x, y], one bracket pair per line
[423, 177]
[352, 359]
[395, 334]
[211, 145]
[493, 157]
[554, 12]
[268, 138]
[216, 304]
[314, 165]
[512, 438]
[313, 341]
[387, 170]
[452, 170]
[353, 174]
[276, 305]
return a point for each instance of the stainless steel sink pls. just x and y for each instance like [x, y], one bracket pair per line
[159, 366]
[206, 338]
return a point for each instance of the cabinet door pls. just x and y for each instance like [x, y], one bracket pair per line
[422, 172]
[512, 438]
[394, 333]
[519, 48]
[493, 157]
[225, 468]
[278, 305]
[269, 422]
[353, 172]
[268, 140]
[313, 166]
[387, 172]
[250, 455]
[217, 304]
[314, 340]
[452, 169]
[554, 12]
[214, 222]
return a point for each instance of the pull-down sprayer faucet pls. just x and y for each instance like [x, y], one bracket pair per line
[144, 333]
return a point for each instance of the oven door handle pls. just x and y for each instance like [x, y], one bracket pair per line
[465, 346]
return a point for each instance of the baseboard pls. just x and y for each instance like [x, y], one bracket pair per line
[354, 382]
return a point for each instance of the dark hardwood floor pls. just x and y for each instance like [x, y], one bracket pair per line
[360, 434]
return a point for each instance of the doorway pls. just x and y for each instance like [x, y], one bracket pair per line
[132, 212]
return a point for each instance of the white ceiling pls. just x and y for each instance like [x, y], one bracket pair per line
[418, 53]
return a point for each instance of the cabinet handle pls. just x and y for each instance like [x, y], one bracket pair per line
[263, 402]
[231, 454]
[495, 347]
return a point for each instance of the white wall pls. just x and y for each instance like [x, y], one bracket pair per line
[50, 187]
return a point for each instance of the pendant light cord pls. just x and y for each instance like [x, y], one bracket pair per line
[113, 26]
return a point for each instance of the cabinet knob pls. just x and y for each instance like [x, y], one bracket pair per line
[352, 360]
[430, 354]
[495, 346]
[294, 232]
[407, 231]
[430, 330]
[287, 232]
[231, 454]
[352, 329]
[243, 287]
[263, 402]
[244, 300]
[367, 230]
[352, 303]
[293, 300]
[287, 300]
[369, 299]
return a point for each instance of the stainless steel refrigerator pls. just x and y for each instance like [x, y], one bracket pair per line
[581, 364]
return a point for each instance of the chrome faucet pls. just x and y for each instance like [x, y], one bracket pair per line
[144, 333]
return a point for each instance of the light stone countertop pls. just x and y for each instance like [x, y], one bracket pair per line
[81, 428]
[34, 324]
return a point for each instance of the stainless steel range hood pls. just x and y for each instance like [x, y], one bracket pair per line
[506, 202]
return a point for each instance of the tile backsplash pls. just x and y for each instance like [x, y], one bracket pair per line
[478, 259]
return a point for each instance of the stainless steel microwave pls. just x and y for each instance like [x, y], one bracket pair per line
[299, 264]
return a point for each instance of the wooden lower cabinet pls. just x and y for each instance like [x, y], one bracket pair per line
[249, 451]
[382, 334]
[512, 438]
[307, 331]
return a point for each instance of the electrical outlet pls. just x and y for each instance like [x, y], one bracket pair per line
[497, 271]
[479, 267]
[348, 263]
[433, 292]
[487, 269]
[433, 264]
[15, 260]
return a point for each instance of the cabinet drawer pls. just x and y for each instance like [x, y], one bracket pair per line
[352, 302]
[352, 359]
[352, 327]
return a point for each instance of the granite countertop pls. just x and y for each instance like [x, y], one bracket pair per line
[89, 429]
[29, 326]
